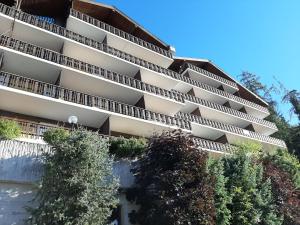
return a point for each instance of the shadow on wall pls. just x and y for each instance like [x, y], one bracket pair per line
[13, 198]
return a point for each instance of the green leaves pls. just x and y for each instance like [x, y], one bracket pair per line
[173, 186]
[9, 129]
[131, 148]
[78, 186]
[242, 194]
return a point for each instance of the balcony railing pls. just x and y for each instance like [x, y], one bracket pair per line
[85, 67]
[223, 94]
[230, 128]
[206, 73]
[119, 33]
[36, 21]
[57, 92]
[32, 129]
[35, 130]
[202, 143]
[225, 109]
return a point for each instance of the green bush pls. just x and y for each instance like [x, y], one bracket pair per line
[54, 136]
[9, 129]
[121, 147]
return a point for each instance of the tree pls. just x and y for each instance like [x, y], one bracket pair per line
[222, 197]
[286, 195]
[290, 134]
[173, 186]
[293, 97]
[252, 201]
[78, 186]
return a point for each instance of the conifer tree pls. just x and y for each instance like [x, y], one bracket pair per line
[78, 186]
[221, 196]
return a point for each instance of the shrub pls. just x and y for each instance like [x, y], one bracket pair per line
[55, 136]
[78, 186]
[173, 186]
[9, 129]
[127, 148]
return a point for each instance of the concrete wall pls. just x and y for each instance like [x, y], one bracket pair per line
[13, 198]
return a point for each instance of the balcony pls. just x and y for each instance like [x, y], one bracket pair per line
[42, 33]
[209, 78]
[34, 130]
[31, 97]
[98, 30]
[74, 73]
[213, 147]
[213, 130]
[213, 94]
[227, 115]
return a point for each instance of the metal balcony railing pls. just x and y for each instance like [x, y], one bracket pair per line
[208, 74]
[36, 130]
[230, 111]
[202, 143]
[224, 94]
[119, 33]
[36, 21]
[57, 92]
[85, 67]
[230, 128]
[32, 129]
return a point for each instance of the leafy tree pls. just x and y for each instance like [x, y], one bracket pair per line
[286, 195]
[78, 186]
[173, 186]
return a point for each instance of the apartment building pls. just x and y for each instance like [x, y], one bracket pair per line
[63, 58]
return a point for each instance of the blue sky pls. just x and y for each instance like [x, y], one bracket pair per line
[259, 36]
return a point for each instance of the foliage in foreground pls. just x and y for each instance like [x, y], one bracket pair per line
[9, 129]
[131, 148]
[284, 171]
[78, 186]
[242, 194]
[173, 186]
